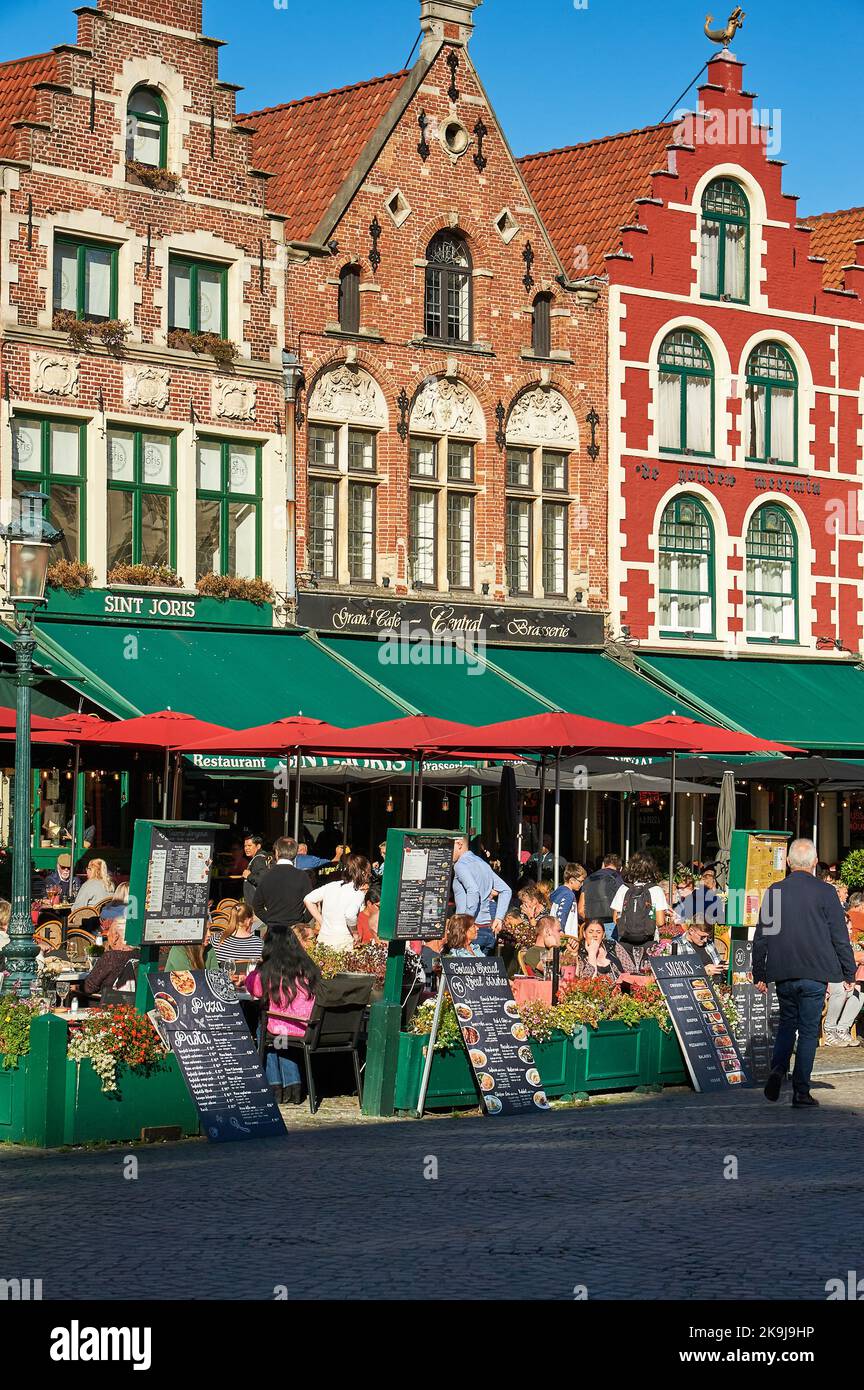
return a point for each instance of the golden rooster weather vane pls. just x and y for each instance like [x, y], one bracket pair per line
[724, 36]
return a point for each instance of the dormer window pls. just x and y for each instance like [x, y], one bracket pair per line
[725, 243]
[147, 128]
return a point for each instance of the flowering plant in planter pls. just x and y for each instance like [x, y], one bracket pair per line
[153, 576]
[449, 1032]
[70, 575]
[518, 931]
[852, 871]
[115, 1037]
[112, 332]
[362, 960]
[221, 349]
[16, 1015]
[225, 586]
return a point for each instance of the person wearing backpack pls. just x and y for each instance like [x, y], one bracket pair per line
[639, 909]
[598, 893]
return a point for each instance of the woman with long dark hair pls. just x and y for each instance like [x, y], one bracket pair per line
[336, 905]
[639, 910]
[285, 982]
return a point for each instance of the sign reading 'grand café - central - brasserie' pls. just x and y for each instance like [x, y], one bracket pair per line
[371, 616]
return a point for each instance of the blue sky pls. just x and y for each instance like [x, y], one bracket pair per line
[557, 71]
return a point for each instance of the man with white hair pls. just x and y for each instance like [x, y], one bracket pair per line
[801, 943]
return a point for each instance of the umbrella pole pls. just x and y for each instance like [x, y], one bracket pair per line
[629, 800]
[297, 795]
[519, 833]
[585, 826]
[75, 776]
[418, 812]
[672, 825]
[541, 826]
[557, 821]
[165, 785]
[816, 815]
[798, 817]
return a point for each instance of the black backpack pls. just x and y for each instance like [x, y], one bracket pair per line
[636, 924]
[598, 890]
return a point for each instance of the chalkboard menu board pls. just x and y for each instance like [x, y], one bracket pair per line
[496, 1039]
[713, 1057]
[757, 1012]
[204, 1026]
[178, 885]
[425, 874]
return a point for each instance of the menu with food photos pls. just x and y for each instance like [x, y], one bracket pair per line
[178, 885]
[757, 1012]
[714, 1058]
[202, 1022]
[495, 1036]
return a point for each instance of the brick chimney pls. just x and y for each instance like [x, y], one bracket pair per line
[450, 20]
[177, 14]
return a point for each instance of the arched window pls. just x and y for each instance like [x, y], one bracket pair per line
[349, 299]
[541, 331]
[685, 419]
[771, 424]
[147, 128]
[725, 245]
[448, 289]
[772, 576]
[686, 590]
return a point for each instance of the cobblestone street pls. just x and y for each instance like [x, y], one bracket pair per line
[627, 1198]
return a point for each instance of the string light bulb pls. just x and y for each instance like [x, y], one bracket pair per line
[390, 804]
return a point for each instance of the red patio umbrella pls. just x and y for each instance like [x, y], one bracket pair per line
[37, 721]
[278, 739]
[162, 730]
[705, 738]
[561, 733]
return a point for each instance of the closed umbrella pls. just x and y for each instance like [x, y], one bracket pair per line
[508, 826]
[725, 826]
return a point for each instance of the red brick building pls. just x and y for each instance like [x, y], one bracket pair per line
[141, 304]
[450, 359]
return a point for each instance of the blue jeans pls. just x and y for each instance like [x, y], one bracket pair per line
[801, 1003]
[485, 940]
[279, 1068]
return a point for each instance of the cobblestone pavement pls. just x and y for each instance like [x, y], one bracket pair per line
[627, 1199]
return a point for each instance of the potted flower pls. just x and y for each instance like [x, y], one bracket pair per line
[229, 586]
[70, 576]
[852, 874]
[146, 576]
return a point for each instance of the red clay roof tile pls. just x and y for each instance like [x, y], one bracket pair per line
[309, 146]
[585, 193]
[18, 101]
[833, 236]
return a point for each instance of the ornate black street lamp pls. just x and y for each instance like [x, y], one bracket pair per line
[29, 539]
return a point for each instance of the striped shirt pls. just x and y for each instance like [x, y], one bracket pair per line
[239, 948]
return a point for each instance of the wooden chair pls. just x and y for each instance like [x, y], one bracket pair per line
[226, 904]
[49, 934]
[80, 915]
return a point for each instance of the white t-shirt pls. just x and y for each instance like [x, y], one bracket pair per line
[340, 905]
[658, 897]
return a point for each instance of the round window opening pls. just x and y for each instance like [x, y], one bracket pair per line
[456, 137]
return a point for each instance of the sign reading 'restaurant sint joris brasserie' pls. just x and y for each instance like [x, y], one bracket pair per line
[372, 616]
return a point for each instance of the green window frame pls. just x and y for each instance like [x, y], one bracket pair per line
[684, 362]
[771, 377]
[322, 528]
[686, 543]
[199, 312]
[772, 544]
[43, 475]
[223, 505]
[519, 512]
[156, 120]
[141, 494]
[726, 216]
[74, 260]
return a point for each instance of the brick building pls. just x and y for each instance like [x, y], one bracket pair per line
[449, 360]
[736, 395]
[141, 303]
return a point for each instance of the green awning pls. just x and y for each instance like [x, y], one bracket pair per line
[588, 683]
[457, 690]
[811, 704]
[234, 677]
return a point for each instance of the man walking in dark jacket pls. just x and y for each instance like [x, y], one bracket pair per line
[281, 889]
[801, 943]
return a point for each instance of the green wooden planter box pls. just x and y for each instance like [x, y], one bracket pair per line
[616, 1058]
[451, 1081]
[48, 1101]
